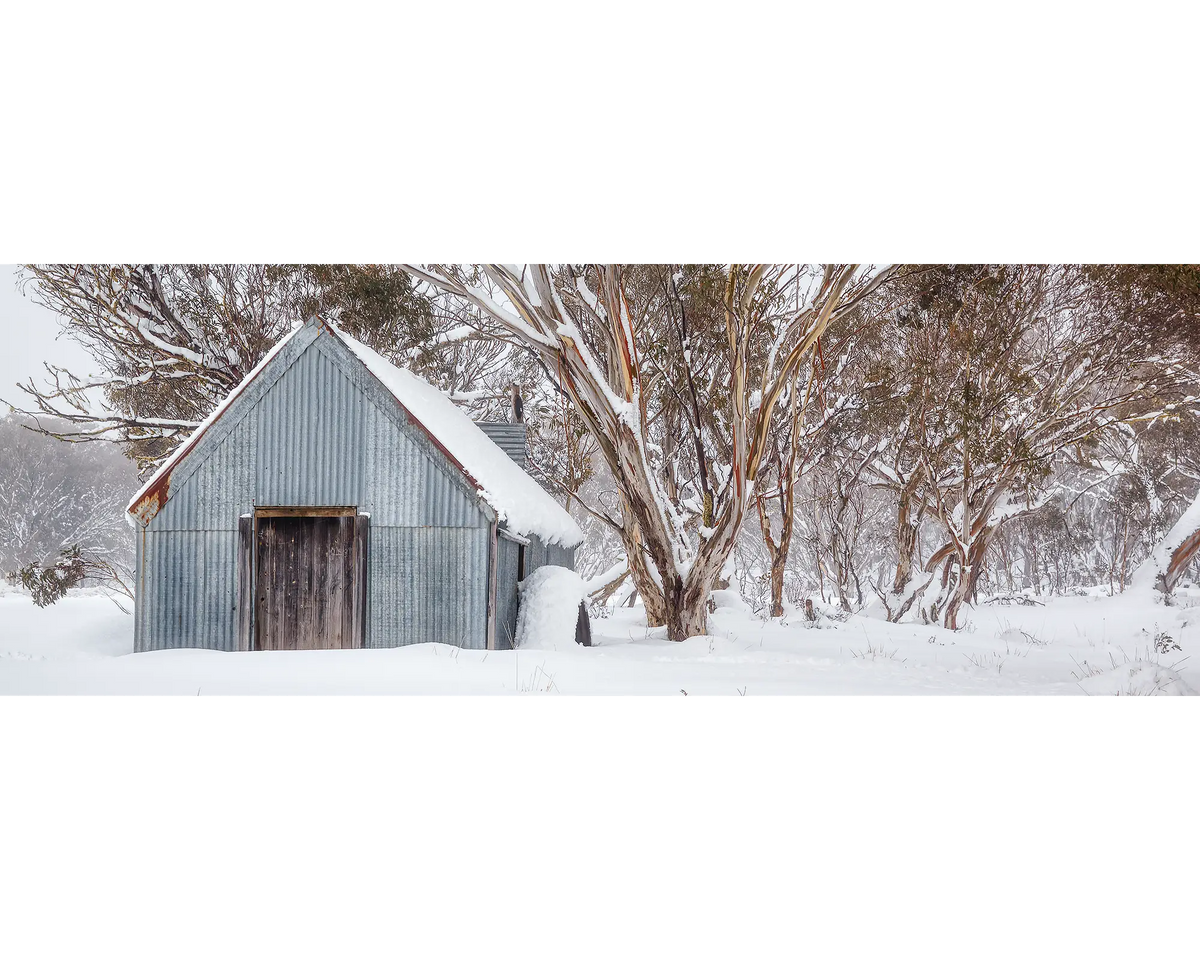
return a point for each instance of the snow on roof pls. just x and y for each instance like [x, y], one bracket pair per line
[516, 497]
[509, 490]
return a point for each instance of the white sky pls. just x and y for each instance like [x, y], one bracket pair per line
[29, 336]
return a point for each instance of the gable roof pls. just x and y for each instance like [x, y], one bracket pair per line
[517, 499]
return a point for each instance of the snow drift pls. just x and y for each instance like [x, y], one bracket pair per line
[550, 598]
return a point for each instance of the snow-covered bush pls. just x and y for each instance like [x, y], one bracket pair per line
[549, 612]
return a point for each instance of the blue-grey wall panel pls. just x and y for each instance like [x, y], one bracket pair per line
[310, 427]
[427, 584]
[189, 593]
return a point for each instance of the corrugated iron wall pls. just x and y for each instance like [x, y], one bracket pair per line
[188, 595]
[539, 554]
[315, 429]
[428, 583]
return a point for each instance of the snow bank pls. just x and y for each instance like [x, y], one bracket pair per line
[80, 645]
[85, 625]
[1137, 678]
[510, 491]
[550, 598]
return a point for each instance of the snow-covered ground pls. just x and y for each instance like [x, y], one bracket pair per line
[1073, 645]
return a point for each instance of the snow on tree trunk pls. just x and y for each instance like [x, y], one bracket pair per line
[968, 579]
[1167, 561]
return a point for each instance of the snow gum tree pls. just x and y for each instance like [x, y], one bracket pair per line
[169, 341]
[1160, 304]
[680, 404]
[1014, 371]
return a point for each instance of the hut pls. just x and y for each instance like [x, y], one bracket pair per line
[333, 500]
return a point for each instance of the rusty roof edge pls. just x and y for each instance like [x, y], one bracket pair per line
[154, 493]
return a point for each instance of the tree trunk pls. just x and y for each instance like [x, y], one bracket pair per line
[687, 616]
[644, 581]
[686, 601]
[897, 606]
[840, 553]
[843, 585]
[906, 535]
[778, 550]
[1006, 564]
[1173, 554]
[906, 543]
[902, 596]
[1125, 555]
[778, 562]
[968, 581]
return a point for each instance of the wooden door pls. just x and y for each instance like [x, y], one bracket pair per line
[308, 582]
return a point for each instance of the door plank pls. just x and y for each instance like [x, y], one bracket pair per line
[262, 593]
[328, 546]
[322, 586]
[291, 601]
[312, 537]
[342, 569]
[274, 586]
[357, 604]
[336, 564]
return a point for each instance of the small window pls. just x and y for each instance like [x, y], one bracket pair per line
[520, 563]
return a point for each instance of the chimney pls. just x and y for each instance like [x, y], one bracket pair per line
[518, 405]
[509, 437]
